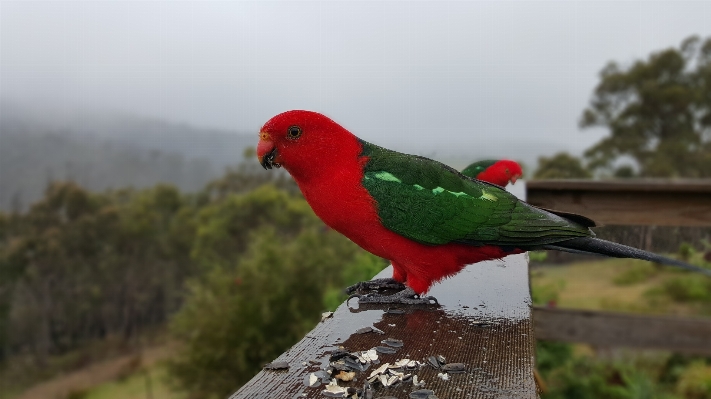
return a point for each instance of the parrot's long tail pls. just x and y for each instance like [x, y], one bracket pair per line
[596, 246]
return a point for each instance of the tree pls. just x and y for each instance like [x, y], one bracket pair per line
[224, 227]
[561, 166]
[658, 112]
[81, 265]
[270, 268]
[247, 176]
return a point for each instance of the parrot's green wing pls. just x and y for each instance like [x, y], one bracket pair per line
[434, 204]
[474, 169]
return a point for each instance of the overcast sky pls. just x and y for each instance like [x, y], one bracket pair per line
[424, 77]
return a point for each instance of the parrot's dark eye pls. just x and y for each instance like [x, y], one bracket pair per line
[294, 132]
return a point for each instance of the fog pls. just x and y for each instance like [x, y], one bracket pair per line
[486, 79]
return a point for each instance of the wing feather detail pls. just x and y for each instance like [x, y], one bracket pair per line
[434, 204]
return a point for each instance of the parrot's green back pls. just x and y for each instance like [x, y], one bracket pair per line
[431, 203]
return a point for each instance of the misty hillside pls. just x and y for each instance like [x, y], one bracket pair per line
[101, 152]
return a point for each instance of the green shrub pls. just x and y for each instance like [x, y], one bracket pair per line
[237, 318]
[695, 381]
[538, 256]
[635, 274]
[688, 288]
[628, 376]
[543, 294]
[686, 251]
[551, 355]
[674, 368]
[586, 378]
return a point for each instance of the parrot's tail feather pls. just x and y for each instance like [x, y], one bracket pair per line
[596, 246]
[570, 250]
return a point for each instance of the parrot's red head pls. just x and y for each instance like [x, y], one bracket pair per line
[512, 169]
[303, 142]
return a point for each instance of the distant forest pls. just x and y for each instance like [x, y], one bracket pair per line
[102, 152]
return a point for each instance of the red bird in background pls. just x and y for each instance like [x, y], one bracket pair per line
[499, 172]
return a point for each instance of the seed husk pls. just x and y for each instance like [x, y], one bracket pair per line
[434, 362]
[379, 370]
[326, 315]
[334, 394]
[454, 368]
[324, 376]
[383, 380]
[385, 350]
[333, 390]
[276, 366]
[338, 354]
[311, 380]
[402, 362]
[353, 364]
[340, 365]
[367, 392]
[421, 394]
[395, 343]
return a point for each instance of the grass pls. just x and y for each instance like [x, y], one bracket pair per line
[635, 274]
[624, 285]
[132, 375]
[147, 383]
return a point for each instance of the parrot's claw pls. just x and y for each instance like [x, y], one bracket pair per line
[379, 283]
[405, 297]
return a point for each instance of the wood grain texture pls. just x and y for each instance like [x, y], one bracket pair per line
[607, 329]
[628, 202]
[484, 322]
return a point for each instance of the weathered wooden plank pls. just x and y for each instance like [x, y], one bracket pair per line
[628, 202]
[644, 185]
[607, 329]
[484, 322]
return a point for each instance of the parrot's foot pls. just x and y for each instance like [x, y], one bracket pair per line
[408, 296]
[378, 283]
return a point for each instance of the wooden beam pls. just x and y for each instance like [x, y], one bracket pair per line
[484, 322]
[607, 329]
[628, 202]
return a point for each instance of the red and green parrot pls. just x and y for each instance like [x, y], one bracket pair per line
[427, 219]
[499, 172]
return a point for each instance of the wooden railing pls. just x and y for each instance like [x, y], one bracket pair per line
[626, 202]
[660, 202]
[691, 335]
[486, 321]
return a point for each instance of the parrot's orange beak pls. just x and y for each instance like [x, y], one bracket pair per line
[514, 178]
[267, 152]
